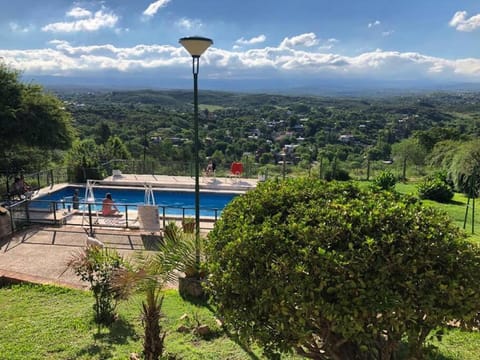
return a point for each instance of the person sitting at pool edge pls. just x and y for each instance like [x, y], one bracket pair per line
[108, 206]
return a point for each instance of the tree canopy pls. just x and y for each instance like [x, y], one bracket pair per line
[30, 119]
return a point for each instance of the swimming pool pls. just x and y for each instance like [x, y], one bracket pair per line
[174, 202]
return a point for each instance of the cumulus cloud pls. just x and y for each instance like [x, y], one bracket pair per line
[254, 40]
[78, 12]
[189, 24]
[328, 44]
[152, 9]
[374, 23]
[64, 58]
[84, 21]
[460, 21]
[307, 40]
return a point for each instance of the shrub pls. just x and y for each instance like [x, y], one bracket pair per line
[335, 272]
[385, 180]
[337, 174]
[435, 188]
[97, 266]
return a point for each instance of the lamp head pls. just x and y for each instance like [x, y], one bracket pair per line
[196, 45]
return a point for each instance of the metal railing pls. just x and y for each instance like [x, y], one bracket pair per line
[58, 213]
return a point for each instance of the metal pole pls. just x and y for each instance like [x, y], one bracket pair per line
[195, 63]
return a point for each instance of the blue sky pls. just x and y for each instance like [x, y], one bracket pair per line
[254, 40]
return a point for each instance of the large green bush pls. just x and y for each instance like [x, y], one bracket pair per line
[335, 272]
[435, 188]
[385, 180]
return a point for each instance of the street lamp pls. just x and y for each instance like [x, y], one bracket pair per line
[196, 46]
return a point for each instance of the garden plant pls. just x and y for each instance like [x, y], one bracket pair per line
[331, 271]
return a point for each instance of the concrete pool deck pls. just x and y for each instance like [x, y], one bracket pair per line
[39, 254]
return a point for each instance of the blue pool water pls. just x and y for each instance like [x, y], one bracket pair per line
[175, 202]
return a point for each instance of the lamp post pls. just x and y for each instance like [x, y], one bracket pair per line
[196, 46]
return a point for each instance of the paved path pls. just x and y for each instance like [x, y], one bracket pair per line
[40, 254]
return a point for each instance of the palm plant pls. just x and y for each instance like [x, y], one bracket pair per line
[149, 273]
[178, 252]
[146, 275]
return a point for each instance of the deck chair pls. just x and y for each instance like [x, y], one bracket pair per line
[116, 174]
[236, 170]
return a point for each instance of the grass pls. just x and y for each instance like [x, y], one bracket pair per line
[46, 322]
[455, 208]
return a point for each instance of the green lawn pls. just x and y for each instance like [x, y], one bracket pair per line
[45, 322]
[456, 209]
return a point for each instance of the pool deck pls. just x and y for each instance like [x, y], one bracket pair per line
[39, 254]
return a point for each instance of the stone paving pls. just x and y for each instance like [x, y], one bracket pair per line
[40, 254]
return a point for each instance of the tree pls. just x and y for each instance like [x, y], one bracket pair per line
[30, 118]
[336, 272]
[465, 168]
[408, 151]
[84, 160]
[116, 149]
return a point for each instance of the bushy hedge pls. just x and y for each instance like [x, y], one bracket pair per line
[385, 180]
[435, 188]
[335, 272]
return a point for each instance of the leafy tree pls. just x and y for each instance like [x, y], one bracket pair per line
[408, 151]
[114, 148]
[442, 154]
[84, 160]
[30, 118]
[336, 272]
[103, 132]
[465, 167]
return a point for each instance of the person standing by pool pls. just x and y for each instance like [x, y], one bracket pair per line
[108, 206]
[75, 200]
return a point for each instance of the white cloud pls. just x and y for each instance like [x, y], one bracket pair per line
[328, 44]
[307, 39]
[86, 21]
[63, 58]
[460, 21]
[375, 23]
[255, 40]
[15, 27]
[78, 12]
[387, 33]
[189, 24]
[152, 9]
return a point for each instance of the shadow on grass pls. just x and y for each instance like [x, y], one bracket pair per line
[454, 202]
[430, 352]
[120, 332]
[240, 343]
[205, 302]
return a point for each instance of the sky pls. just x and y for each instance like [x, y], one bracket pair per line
[291, 42]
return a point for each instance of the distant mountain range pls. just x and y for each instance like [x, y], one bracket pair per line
[331, 86]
